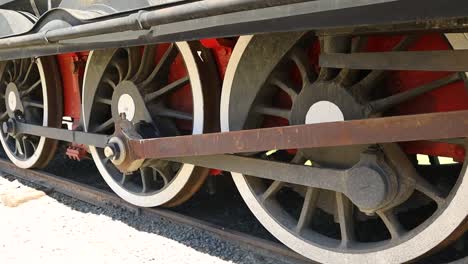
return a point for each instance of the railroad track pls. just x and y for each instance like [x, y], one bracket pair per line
[104, 198]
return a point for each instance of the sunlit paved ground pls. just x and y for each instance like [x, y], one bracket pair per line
[63, 230]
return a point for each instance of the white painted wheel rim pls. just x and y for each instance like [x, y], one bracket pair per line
[181, 179]
[32, 161]
[446, 223]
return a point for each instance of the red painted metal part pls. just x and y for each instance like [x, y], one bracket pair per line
[452, 97]
[72, 66]
[222, 51]
[77, 152]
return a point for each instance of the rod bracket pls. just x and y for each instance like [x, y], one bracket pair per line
[118, 149]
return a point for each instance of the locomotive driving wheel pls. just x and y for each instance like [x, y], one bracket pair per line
[274, 80]
[161, 90]
[30, 92]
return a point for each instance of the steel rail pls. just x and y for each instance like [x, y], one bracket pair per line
[106, 199]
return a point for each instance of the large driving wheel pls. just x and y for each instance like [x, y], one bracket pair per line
[161, 90]
[32, 93]
[275, 80]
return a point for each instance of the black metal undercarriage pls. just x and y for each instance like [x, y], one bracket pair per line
[66, 30]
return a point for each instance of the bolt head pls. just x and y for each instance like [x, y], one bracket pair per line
[5, 127]
[8, 127]
[110, 151]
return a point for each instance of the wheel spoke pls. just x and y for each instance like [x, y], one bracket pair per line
[406, 42]
[332, 44]
[298, 158]
[4, 116]
[28, 72]
[167, 89]
[434, 160]
[120, 65]
[368, 83]
[387, 103]
[273, 111]
[390, 220]
[308, 209]
[104, 126]
[164, 178]
[19, 147]
[31, 103]
[359, 43]
[429, 190]
[21, 65]
[165, 112]
[109, 82]
[102, 100]
[285, 87]
[134, 58]
[273, 189]
[347, 77]
[344, 209]
[164, 64]
[15, 70]
[300, 58]
[10, 75]
[147, 63]
[146, 178]
[30, 89]
[124, 179]
[27, 143]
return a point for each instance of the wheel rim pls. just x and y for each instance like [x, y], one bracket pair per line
[158, 182]
[310, 243]
[34, 97]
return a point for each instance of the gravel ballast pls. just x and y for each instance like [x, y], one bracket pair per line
[60, 229]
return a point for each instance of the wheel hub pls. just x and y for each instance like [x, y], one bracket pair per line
[372, 184]
[401, 230]
[325, 101]
[328, 101]
[324, 111]
[127, 99]
[126, 105]
[12, 99]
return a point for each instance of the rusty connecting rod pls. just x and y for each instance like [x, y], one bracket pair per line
[434, 126]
